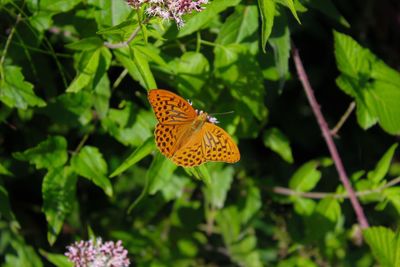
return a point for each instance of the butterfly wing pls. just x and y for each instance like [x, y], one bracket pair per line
[191, 154]
[170, 108]
[169, 137]
[217, 145]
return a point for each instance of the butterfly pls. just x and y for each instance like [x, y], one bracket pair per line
[188, 137]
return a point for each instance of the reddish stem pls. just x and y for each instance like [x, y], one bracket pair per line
[328, 138]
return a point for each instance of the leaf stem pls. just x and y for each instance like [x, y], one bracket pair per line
[130, 39]
[319, 195]
[8, 42]
[328, 138]
[343, 119]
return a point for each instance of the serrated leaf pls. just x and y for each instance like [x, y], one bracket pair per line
[267, 12]
[371, 82]
[15, 91]
[306, 177]
[144, 150]
[384, 244]
[58, 190]
[48, 154]
[89, 163]
[278, 142]
[109, 13]
[382, 167]
[303, 206]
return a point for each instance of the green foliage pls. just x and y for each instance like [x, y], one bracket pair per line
[78, 158]
[385, 245]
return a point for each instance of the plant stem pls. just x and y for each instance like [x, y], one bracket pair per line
[8, 42]
[328, 138]
[320, 195]
[343, 119]
[131, 37]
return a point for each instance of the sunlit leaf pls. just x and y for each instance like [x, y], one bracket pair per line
[278, 142]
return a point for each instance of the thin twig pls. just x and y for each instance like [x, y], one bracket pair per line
[328, 139]
[343, 119]
[319, 195]
[10, 36]
[81, 143]
[131, 37]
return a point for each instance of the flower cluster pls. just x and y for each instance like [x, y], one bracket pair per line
[95, 253]
[170, 9]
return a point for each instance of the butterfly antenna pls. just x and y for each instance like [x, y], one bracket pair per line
[222, 113]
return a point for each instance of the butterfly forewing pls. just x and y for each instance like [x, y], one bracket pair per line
[170, 108]
[217, 145]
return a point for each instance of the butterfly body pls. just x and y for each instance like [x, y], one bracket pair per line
[186, 137]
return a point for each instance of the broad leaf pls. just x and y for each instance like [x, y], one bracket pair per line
[306, 177]
[15, 91]
[278, 142]
[382, 167]
[385, 245]
[48, 154]
[58, 191]
[267, 12]
[89, 163]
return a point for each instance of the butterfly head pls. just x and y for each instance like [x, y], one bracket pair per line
[203, 116]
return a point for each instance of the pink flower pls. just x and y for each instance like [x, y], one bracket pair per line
[170, 9]
[95, 253]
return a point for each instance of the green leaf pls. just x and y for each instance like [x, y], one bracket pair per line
[191, 71]
[239, 26]
[58, 260]
[58, 6]
[219, 185]
[4, 171]
[5, 208]
[242, 74]
[89, 163]
[306, 177]
[48, 154]
[86, 70]
[200, 172]
[201, 19]
[144, 150]
[137, 65]
[101, 97]
[144, 69]
[280, 43]
[290, 4]
[15, 92]
[267, 12]
[303, 206]
[382, 167]
[90, 43]
[58, 192]
[252, 204]
[278, 142]
[26, 255]
[371, 82]
[384, 244]
[109, 13]
[160, 173]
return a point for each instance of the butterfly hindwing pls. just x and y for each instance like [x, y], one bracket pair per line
[170, 108]
[217, 145]
[191, 154]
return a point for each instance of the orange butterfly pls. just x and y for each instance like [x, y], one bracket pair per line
[187, 137]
